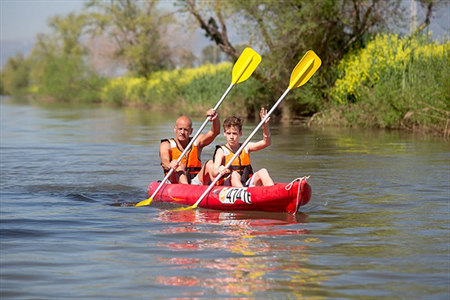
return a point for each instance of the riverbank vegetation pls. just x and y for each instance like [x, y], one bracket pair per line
[393, 83]
[188, 90]
[133, 53]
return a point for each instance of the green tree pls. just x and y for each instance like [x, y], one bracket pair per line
[138, 29]
[15, 75]
[60, 64]
[285, 30]
[288, 28]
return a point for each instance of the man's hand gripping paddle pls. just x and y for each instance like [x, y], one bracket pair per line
[242, 70]
[306, 68]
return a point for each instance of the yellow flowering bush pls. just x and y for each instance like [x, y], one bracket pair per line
[385, 55]
[186, 76]
[162, 85]
[395, 83]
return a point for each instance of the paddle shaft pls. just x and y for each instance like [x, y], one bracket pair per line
[242, 147]
[192, 141]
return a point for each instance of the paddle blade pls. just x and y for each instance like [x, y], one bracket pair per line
[245, 65]
[145, 202]
[185, 208]
[306, 68]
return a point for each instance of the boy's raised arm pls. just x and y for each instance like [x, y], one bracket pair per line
[267, 140]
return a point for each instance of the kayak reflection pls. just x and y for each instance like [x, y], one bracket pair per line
[240, 251]
[254, 223]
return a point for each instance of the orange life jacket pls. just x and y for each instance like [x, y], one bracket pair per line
[241, 164]
[191, 160]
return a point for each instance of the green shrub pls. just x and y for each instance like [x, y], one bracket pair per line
[68, 78]
[15, 78]
[396, 82]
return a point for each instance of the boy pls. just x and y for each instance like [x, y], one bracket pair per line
[241, 169]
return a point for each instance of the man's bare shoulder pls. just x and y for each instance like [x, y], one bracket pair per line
[165, 145]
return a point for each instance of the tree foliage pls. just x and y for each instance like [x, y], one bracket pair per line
[138, 29]
[285, 30]
[60, 67]
[15, 75]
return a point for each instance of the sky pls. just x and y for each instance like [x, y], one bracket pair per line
[22, 20]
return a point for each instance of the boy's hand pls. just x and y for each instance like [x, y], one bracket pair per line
[263, 114]
[223, 170]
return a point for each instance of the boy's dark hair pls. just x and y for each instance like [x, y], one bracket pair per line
[233, 122]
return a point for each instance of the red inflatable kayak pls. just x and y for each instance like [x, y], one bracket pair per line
[282, 197]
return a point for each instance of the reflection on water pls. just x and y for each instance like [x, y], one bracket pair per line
[253, 223]
[251, 262]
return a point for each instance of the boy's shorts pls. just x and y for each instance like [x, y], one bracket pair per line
[250, 182]
[196, 181]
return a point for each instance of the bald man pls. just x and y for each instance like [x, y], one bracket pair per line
[190, 169]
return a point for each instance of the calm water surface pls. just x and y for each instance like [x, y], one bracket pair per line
[377, 225]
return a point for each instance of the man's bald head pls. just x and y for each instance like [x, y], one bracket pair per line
[184, 122]
[183, 129]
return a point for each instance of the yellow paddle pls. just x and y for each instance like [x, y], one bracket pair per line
[307, 66]
[242, 70]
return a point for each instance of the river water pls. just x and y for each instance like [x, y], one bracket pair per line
[377, 225]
